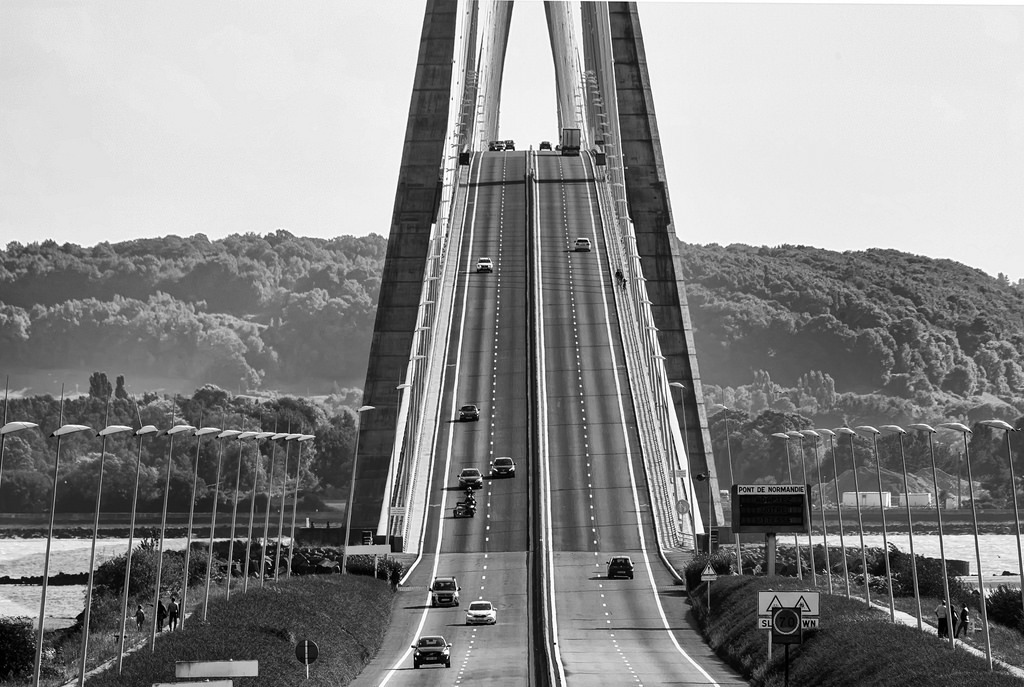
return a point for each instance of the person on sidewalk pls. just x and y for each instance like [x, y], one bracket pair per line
[941, 613]
[140, 618]
[965, 623]
[161, 615]
[172, 613]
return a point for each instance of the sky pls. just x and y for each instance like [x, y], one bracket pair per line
[840, 126]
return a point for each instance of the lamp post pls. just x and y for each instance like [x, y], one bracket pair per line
[814, 436]
[284, 502]
[105, 432]
[234, 512]
[59, 433]
[141, 433]
[252, 511]
[899, 431]
[965, 431]
[868, 429]
[692, 506]
[200, 433]
[839, 504]
[732, 481]
[1007, 428]
[938, 517]
[793, 434]
[176, 429]
[299, 439]
[226, 434]
[846, 431]
[796, 538]
[10, 428]
[352, 491]
[266, 516]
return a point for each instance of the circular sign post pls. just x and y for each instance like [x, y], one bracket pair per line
[786, 629]
[306, 651]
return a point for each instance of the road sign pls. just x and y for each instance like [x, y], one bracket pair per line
[204, 683]
[807, 601]
[708, 574]
[786, 627]
[216, 669]
[765, 623]
[306, 651]
[770, 507]
[682, 506]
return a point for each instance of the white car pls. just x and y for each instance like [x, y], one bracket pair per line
[582, 245]
[484, 265]
[481, 613]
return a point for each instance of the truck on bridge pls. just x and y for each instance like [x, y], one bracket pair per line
[570, 142]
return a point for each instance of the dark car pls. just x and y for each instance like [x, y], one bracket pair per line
[620, 566]
[470, 478]
[496, 145]
[433, 650]
[503, 467]
[444, 592]
[469, 413]
[545, 145]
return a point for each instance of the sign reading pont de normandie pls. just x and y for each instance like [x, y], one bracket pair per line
[769, 507]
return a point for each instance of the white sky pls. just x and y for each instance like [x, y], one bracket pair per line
[839, 126]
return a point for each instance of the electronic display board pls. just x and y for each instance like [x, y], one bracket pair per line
[770, 507]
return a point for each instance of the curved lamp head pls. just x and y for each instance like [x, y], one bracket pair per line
[895, 429]
[846, 430]
[363, 409]
[921, 427]
[178, 429]
[247, 435]
[306, 437]
[228, 433]
[292, 437]
[147, 429]
[826, 432]
[867, 429]
[793, 434]
[781, 435]
[278, 435]
[264, 435]
[207, 430]
[959, 427]
[114, 429]
[810, 433]
[71, 429]
[16, 427]
[999, 424]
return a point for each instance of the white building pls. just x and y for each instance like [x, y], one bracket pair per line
[867, 499]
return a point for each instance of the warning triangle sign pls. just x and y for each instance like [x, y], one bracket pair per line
[708, 570]
[803, 605]
[775, 603]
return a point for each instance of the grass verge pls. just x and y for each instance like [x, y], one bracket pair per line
[853, 647]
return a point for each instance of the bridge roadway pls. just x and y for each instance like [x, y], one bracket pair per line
[608, 632]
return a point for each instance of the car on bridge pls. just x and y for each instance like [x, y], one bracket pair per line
[582, 245]
[469, 413]
[494, 146]
[481, 613]
[484, 265]
[620, 566]
[510, 144]
[432, 649]
[470, 478]
[545, 145]
[503, 466]
[444, 592]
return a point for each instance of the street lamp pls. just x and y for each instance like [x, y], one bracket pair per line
[793, 434]
[938, 517]
[732, 479]
[352, 490]
[284, 501]
[226, 434]
[839, 504]
[141, 433]
[965, 431]
[868, 429]
[846, 431]
[105, 432]
[234, 511]
[796, 538]
[899, 431]
[300, 439]
[176, 429]
[200, 433]
[252, 512]
[814, 436]
[59, 433]
[1007, 428]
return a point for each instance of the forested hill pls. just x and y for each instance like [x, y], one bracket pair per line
[246, 312]
[870, 335]
[865, 335]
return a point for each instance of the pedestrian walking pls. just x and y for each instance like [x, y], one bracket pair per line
[161, 615]
[942, 614]
[172, 613]
[140, 618]
[953, 619]
[965, 623]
